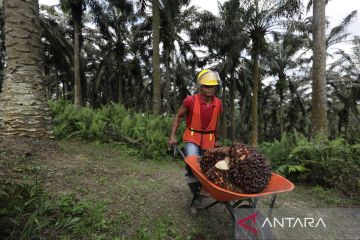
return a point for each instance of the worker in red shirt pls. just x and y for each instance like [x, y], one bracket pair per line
[202, 112]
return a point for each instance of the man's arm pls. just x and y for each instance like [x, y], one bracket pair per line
[176, 123]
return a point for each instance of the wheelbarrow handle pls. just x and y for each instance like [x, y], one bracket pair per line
[177, 149]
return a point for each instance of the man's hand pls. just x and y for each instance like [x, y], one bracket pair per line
[171, 141]
[181, 112]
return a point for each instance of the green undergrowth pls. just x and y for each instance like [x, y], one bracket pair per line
[160, 228]
[27, 212]
[330, 163]
[113, 122]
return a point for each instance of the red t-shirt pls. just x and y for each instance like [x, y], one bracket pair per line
[206, 111]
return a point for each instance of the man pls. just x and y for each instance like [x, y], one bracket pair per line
[202, 112]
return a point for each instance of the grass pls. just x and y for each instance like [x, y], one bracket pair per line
[135, 198]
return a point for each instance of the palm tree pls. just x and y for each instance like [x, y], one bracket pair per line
[279, 59]
[75, 8]
[245, 95]
[336, 35]
[59, 52]
[174, 20]
[2, 46]
[112, 19]
[232, 46]
[319, 101]
[225, 42]
[156, 57]
[256, 19]
[24, 111]
[261, 16]
[344, 77]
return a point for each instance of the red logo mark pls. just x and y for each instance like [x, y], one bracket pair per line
[252, 217]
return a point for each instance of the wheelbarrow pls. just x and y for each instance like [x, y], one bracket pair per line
[236, 203]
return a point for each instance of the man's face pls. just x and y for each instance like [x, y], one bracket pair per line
[208, 90]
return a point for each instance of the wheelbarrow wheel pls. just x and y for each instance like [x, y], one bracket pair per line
[262, 233]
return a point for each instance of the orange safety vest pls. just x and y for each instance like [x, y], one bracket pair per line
[205, 138]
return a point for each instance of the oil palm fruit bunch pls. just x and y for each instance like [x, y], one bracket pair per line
[222, 179]
[215, 165]
[209, 165]
[219, 177]
[238, 168]
[212, 156]
[248, 169]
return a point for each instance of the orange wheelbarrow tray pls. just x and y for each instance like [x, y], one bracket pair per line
[233, 200]
[278, 184]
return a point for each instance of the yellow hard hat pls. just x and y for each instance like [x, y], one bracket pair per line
[208, 77]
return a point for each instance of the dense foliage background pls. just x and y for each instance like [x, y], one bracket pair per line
[115, 52]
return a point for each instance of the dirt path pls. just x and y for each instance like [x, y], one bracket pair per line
[148, 200]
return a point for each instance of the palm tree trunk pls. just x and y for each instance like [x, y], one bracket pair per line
[57, 85]
[223, 116]
[175, 98]
[63, 89]
[319, 102]
[167, 81]
[254, 103]
[120, 88]
[156, 58]
[232, 106]
[23, 103]
[84, 85]
[282, 80]
[92, 93]
[281, 119]
[112, 91]
[2, 45]
[78, 92]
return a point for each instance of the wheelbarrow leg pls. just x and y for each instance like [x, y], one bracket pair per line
[188, 170]
[195, 189]
[193, 183]
[272, 202]
[231, 210]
